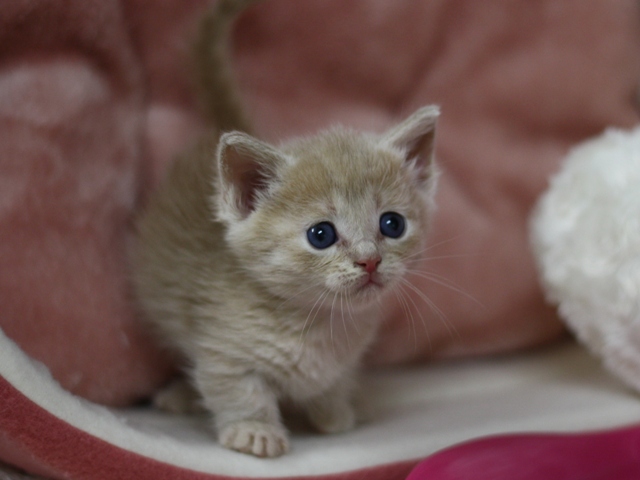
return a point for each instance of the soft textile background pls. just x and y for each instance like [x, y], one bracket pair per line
[95, 99]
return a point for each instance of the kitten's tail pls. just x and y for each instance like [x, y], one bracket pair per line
[218, 90]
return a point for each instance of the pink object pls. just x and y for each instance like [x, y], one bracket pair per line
[589, 456]
[45, 445]
[95, 100]
[46, 430]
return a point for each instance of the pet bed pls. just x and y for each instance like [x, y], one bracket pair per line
[414, 413]
[96, 99]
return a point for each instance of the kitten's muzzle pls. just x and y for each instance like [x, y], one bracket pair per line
[371, 278]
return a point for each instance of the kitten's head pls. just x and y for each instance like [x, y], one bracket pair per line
[337, 214]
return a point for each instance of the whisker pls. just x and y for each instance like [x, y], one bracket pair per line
[290, 298]
[432, 246]
[333, 304]
[439, 313]
[447, 257]
[344, 324]
[319, 302]
[442, 281]
[350, 312]
[422, 320]
[405, 308]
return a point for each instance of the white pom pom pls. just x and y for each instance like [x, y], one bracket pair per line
[586, 238]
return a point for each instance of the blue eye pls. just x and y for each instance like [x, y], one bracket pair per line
[322, 235]
[392, 224]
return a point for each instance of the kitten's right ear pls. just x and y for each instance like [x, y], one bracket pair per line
[247, 168]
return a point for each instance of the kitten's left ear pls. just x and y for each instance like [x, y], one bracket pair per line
[247, 168]
[415, 138]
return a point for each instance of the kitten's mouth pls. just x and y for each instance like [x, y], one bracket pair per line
[369, 283]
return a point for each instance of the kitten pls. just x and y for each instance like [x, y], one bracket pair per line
[265, 267]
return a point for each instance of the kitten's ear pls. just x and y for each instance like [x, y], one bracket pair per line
[415, 138]
[247, 168]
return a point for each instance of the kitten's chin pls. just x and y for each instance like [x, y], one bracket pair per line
[368, 291]
[369, 286]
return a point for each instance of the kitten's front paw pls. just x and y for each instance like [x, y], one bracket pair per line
[179, 397]
[255, 438]
[333, 418]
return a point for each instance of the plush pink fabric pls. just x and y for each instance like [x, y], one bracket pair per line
[593, 456]
[33, 439]
[95, 99]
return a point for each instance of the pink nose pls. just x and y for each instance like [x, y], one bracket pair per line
[369, 264]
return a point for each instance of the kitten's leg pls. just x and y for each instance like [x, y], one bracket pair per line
[332, 411]
[179, 397]
[247, 417]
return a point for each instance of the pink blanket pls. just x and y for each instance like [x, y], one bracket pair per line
[96, 98]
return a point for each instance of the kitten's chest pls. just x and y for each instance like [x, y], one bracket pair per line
[324, 356]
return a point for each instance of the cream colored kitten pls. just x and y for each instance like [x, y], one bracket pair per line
[265, 268]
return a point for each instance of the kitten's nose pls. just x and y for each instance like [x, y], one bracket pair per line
[369, 264]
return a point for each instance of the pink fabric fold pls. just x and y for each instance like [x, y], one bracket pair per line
[587, 456]
[96, 98]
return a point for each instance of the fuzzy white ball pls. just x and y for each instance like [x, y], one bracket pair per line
[586, 238]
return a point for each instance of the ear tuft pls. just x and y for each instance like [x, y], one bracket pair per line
[247, 167]
[415, 138]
